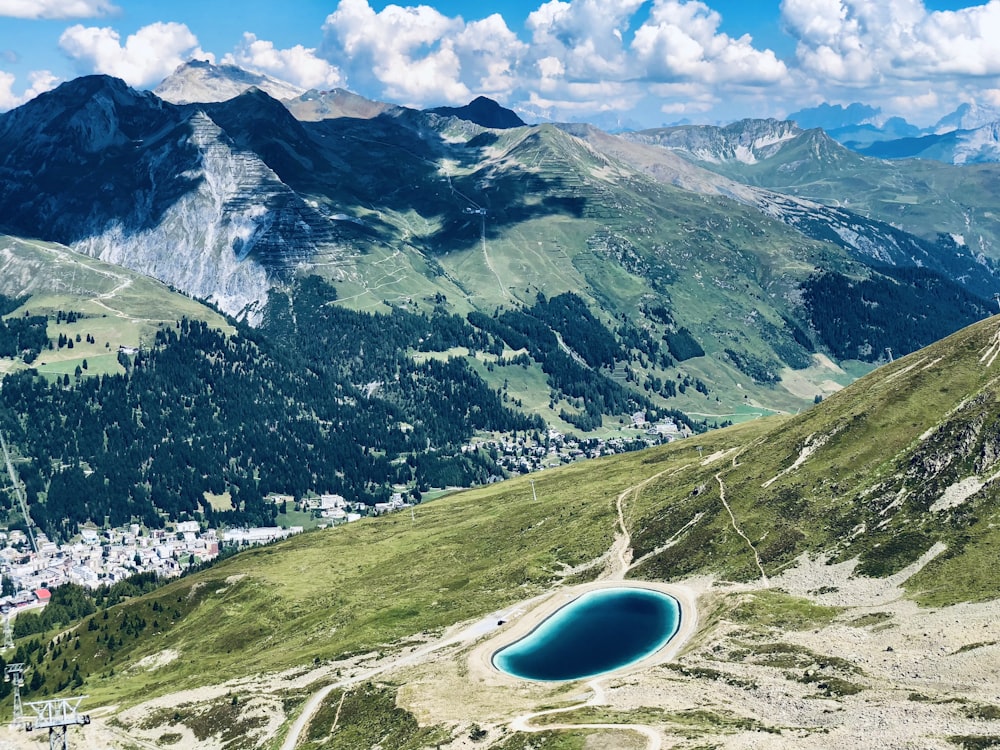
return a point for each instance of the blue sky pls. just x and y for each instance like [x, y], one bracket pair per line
[645, 62]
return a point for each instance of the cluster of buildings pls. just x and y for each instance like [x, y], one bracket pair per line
[525, 454]
[104, 557]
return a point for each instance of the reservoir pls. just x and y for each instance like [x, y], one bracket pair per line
[599, 631]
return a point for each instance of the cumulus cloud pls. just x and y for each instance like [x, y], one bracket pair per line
[409, 52]
[298, 65]
[489, 56]
[587, 35]
[991, 97]
[915, 103]
[56, 8]
[148, 55]
[39, 81]
[581, 100]
[577, 54]
[858, 41]
[420, 56]
[681, 41]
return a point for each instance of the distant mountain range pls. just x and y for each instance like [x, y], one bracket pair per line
[394, 295]
[978, 146]
[725, 256]
[966, 136]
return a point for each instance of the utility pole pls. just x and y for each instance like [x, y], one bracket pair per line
[14, 674]
[533, 495]
[22, 497]
[57, 716]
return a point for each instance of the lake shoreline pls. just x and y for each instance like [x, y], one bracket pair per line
[480, 660]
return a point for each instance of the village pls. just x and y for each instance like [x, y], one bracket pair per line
[523, 455]
[100, 557]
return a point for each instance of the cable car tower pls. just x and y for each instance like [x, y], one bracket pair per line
[57, 716]
[14, 674]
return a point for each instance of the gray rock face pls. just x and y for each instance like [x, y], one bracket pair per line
[746, 141]
[202, 82]
[202, 243]
[162, 190]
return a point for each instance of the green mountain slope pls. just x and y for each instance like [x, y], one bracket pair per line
[115, 306]
[926, 198]
[430, 212]
[893, 476]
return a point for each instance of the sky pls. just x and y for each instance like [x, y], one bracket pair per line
[624, 62]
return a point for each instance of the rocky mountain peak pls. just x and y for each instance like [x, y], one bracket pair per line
[315, 105]
[968, 116]
[199, 81]
[483, 111]
[747, 141]
[88, 115]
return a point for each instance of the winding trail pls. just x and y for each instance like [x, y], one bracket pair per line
[467, 634]
[756, 557]
[73, 258]
[489, 263]
[654, 740]
[618, 563]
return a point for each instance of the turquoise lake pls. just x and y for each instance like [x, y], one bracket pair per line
[597, 632]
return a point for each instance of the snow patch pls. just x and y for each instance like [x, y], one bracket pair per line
[991, 350]
[931, 364]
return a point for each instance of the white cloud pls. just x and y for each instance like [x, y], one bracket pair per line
[489, 56]
[419, 56]
[583, 99]
[577, 55]
[148, 55]
[681, 41]
[8, 99]
[910, 105]
[298, 65]
[35, 9]
[991, 97]
[408, 52]
[40, 81]
[861, 42]
[586, 35]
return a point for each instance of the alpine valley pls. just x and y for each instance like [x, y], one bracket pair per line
[228, 291]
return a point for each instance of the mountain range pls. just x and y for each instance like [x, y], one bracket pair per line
[802, 544]
[966, 136]
[211, 299]
[229, 200]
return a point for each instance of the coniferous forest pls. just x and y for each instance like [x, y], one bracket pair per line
[326, 399]
[320, 398]
[902, 309]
